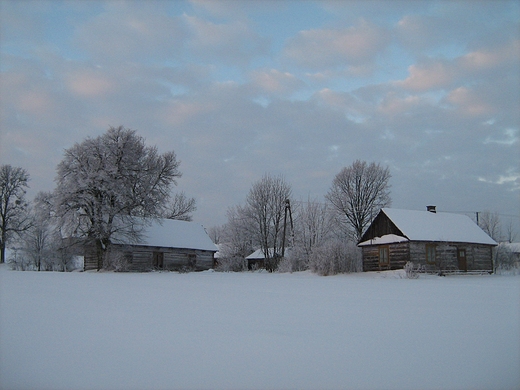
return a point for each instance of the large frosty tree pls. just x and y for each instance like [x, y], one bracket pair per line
[265, 209]
[107, 184]
[13, 207]
[358, 192]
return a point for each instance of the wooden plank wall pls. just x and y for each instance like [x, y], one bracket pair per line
[478, 257]
[174, 259]
[399, 255]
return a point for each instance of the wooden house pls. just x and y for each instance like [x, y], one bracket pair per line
[437, 241]
[256, 260]
[165, 244]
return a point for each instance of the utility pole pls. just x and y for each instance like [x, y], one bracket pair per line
[287, 209]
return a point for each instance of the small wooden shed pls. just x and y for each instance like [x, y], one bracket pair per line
[165, 244]
[438, 241]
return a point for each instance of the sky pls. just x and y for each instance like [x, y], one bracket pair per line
[240, 89]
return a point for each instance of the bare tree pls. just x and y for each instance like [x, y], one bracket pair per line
[107, 184]
[358, 192]
[314, 224]
[215, 233]
[237, 238]
[38, 240]
[511, 234]
[490, 223]
[180, 207]
[265, 209]
[13, 206]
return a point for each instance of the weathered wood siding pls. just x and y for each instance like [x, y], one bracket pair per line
[90, 259]
[141, 259]
[380, 227]
[478, 256]
[398, 255]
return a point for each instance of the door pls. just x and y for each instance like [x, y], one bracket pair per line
[158, 260]
[461, 257]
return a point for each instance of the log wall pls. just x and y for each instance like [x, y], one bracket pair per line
[478, 257]
[398, 255]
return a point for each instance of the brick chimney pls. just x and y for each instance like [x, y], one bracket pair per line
[431, 209]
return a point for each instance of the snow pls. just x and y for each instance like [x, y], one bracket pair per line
[428, 226]
[386, 239]
[210, 330]
[177, 234]
[260, 255]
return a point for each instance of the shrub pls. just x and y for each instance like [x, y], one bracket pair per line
[231, 264]
[335, 257]
[412, 272]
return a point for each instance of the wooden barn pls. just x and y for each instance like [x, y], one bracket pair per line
[437, 241]
[166, 244]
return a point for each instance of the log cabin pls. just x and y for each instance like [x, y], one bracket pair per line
[165, 244]
[440, 242]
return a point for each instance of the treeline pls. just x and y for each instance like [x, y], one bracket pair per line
[319, 236]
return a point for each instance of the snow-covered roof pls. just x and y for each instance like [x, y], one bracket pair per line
[428, 226]
[386, 239]
[171, 233]
[259, 254]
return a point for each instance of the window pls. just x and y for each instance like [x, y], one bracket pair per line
[383, 255]
[430, 253]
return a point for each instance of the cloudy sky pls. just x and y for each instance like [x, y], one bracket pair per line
[299, 88]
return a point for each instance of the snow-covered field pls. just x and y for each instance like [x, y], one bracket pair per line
[257, 330]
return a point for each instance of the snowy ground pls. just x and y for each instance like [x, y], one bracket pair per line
[257, 330]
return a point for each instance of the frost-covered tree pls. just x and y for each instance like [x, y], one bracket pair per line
[265, 211]
[237, 238]
[180, 207]
[38, 241]
[490, 223]
[358, 192]
[107, 184]
[313, 224]
[13, 206]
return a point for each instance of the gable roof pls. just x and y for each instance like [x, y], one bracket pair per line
[428, 226]
[259, 254]
[172, 233]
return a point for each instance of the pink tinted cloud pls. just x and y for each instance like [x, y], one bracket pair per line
[492, 58]
[428, 76]
[89, 83]
[469, 102]
[275, 81]
[232, 42]
[351, 46]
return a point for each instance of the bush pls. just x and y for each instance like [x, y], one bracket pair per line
[295, 260]
[505, 258]
[231, 264]
[413, 272]
[335, 257]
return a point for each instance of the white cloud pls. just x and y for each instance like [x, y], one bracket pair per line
[330, 48]
[273, 81]
[230, 43]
